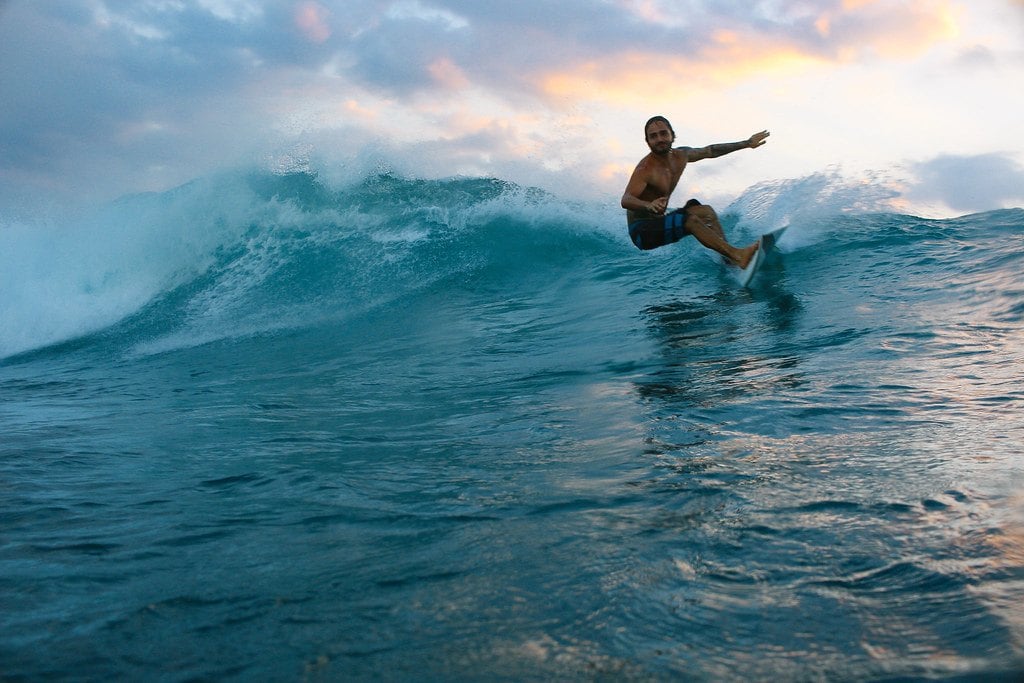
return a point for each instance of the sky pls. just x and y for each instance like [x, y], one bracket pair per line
[103, 98]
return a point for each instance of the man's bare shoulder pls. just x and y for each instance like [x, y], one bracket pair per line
[653, 163]
[644, 163]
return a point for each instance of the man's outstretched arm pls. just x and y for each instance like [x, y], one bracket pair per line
[722, 148]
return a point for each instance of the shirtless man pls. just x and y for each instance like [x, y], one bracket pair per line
[656, 176]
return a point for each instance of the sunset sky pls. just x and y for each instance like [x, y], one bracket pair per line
[100, 98]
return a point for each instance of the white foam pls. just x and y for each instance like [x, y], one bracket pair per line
[62, 281]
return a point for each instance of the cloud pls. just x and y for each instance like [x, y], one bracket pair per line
[84, 84]
[396, 54]
[884, 28]
[978, 56]
[970, 183]
[140, 93]
[790, 38]
[312, 20]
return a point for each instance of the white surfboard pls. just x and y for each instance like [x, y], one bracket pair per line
[747, 274]
[771, 238]
[765, 243]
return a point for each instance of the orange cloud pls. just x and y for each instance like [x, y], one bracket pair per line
[354, 107]
[637, 76]
[891, 30]
[872, 28]
[311, 20]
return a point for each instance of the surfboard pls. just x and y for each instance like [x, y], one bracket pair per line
[747, 274]
[770, 238]
[765, 243]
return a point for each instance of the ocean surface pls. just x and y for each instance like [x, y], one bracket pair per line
[267, 427]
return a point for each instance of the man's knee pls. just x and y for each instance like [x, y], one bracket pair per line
[704, 212]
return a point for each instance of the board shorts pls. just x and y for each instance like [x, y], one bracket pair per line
[651, 233]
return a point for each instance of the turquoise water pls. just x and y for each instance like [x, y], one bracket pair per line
[262, 427]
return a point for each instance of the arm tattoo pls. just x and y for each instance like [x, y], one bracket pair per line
[721, 148]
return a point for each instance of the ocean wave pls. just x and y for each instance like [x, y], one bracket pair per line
[253, 252]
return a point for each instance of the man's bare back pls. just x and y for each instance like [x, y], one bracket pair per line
[656, 176]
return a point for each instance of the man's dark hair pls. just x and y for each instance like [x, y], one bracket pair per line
[655, 119]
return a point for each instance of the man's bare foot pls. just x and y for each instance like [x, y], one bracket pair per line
[745, 255]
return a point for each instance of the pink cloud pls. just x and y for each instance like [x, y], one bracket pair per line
[447, 73]
[311, 19]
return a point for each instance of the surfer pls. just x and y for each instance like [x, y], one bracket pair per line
[656, 176]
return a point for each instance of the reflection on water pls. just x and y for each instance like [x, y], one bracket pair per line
[705, 345]
[814, 501]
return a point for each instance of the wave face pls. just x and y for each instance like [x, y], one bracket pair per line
[249, 254]
[263, 426]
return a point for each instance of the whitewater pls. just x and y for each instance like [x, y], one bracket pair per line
[269, 426]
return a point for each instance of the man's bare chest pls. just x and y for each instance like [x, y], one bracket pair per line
[664, 177]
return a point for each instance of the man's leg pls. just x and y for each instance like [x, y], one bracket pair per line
[702, 222]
